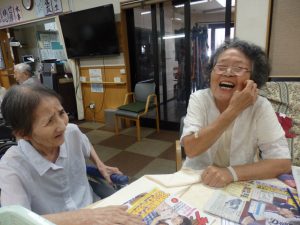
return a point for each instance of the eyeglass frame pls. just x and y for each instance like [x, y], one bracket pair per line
[242, 70]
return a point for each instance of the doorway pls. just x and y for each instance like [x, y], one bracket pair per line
[170, 43]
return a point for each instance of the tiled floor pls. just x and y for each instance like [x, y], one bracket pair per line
[154, 154]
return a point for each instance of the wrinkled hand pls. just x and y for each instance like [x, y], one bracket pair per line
[111, 215]
[216, 177]
[115, 215]
[242, 99]
[106, 171]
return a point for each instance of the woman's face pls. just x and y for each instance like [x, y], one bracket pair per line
[49, 125]
[20, 77]
[224, 85]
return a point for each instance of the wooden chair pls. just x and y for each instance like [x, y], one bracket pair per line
[143, 99]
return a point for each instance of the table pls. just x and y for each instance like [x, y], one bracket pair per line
[185, 184]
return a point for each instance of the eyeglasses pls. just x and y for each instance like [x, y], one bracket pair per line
[233, 70]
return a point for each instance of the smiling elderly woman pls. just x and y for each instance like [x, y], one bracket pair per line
[226, 123]
[46, 171]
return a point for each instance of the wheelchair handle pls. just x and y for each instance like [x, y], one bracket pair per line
[116, 178]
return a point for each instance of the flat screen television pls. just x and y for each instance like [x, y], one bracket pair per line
[90, 32]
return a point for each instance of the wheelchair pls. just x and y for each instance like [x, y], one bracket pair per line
[6, 138]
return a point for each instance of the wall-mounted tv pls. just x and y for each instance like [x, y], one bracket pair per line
[90, 32]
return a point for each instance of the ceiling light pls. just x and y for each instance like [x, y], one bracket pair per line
[145, 13]
[223, 2]
[174, 36]
[192, 3]
[176, 18]
[198, 2]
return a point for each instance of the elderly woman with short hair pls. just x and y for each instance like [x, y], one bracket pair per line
[227, 123]
[24, 75]
[46, 171]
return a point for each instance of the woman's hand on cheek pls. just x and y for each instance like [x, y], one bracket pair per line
[216, 177]
[241, 100]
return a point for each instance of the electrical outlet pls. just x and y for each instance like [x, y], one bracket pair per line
[92, 105]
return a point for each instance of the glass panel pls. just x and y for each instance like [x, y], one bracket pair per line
[144, 56]
[172, 87]
[203, 14]
[207, 33]
[144, 46]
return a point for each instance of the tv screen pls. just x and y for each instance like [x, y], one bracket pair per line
[90, 32]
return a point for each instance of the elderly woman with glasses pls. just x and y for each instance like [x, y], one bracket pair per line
[228, 124]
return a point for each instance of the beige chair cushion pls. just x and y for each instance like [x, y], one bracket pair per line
[285, 98]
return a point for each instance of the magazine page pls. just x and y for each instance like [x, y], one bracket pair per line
[255, 203]
[288, 179]
[296, 175]
[159, 208]
[228, 222]
[226, 206]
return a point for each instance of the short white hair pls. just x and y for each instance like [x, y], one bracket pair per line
[23, 68]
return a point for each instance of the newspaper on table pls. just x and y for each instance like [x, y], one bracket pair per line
[296, 175]
[158, 207]
[254, 203]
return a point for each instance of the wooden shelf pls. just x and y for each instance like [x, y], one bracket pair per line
[106, 83]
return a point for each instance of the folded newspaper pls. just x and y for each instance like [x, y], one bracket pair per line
[255, 203]
[158, 207]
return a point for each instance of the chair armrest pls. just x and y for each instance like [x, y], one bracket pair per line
[178, 155]
[127, 96]
[148, 102]
[118, 179]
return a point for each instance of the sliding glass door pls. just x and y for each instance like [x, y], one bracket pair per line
[170, 44]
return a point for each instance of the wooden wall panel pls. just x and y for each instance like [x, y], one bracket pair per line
[112, 97]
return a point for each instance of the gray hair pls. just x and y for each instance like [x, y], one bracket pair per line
[260, 65]
[19, 104]
[23, 68]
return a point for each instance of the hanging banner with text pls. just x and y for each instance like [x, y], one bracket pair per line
[10, 15]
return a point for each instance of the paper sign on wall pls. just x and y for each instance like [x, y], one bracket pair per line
[95, 75]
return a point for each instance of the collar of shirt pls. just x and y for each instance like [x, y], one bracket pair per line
[38, 162]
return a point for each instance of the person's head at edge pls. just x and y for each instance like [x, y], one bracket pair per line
[22, 72]
[45, 120]
[249, 62]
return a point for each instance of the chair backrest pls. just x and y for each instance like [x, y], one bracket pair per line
[142, 90]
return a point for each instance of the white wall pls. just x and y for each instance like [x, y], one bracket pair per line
[252, 18]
